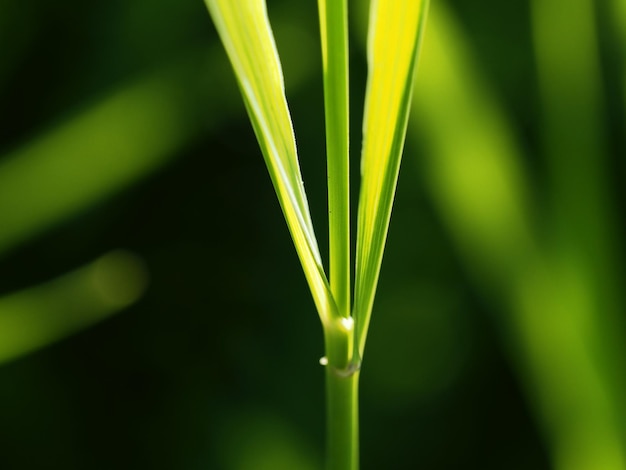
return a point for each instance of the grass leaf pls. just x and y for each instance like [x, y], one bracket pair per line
[394, 37]
[94, 154]
[247, 36]
[41, 315]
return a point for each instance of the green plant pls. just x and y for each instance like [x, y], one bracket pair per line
[502, 307]
[555, 275]
[393, 43]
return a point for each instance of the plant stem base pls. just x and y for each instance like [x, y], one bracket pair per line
[342, 406]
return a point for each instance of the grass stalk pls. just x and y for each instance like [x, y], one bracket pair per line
[342, 420]
[341, 382]
[334, 39]
[342, 437]
[247, 36]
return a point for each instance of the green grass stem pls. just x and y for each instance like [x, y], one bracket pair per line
[341, 385]
[342, 420]
[334, 38]
[394, 41]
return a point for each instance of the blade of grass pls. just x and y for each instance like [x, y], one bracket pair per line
[574, 124]
[38, 316]
[247, 37]
[584, 233]
[94, 154]
[394, 37]
[473, 163]
[334, 36]
[478, 181]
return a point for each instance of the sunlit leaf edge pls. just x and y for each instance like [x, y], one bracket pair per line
[378, 187]
[259, 74]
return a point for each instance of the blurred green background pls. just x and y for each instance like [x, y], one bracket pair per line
[153, 313]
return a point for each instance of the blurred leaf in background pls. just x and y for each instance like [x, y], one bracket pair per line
[565, 329]
[40, 315]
